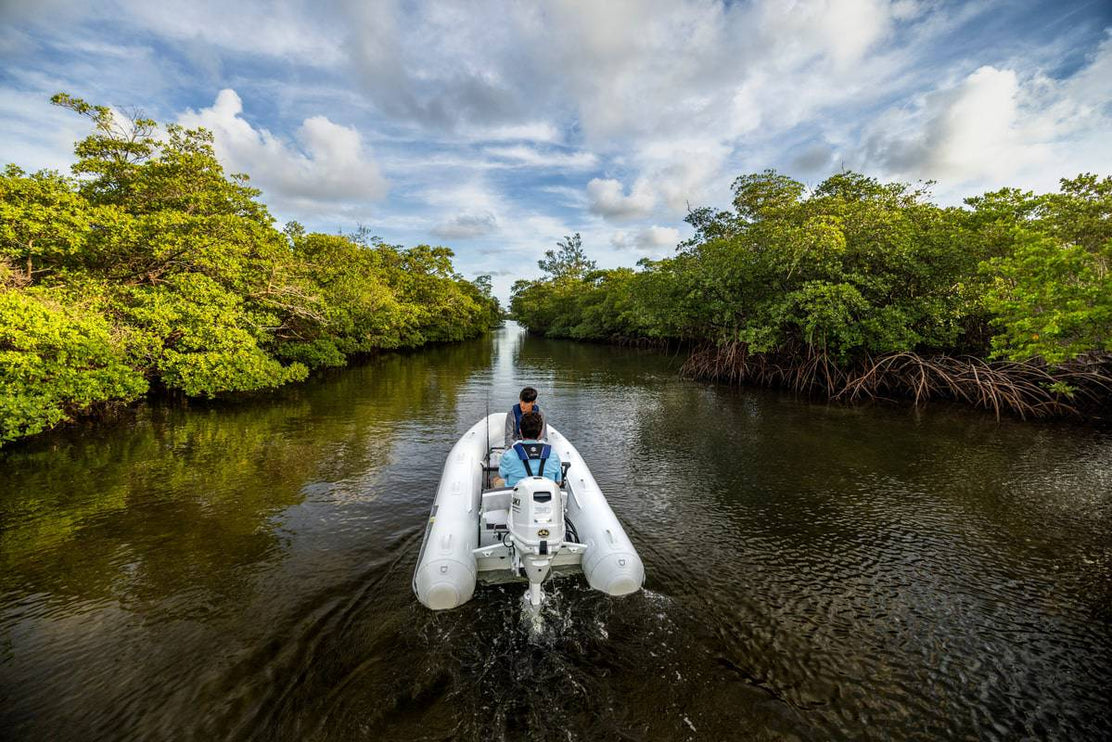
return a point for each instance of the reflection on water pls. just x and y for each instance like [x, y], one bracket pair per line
[242, 571]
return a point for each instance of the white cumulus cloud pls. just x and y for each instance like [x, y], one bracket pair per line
[959, 133]
[327, 163]
[997, 127]
[607, 198]
[466, 226]
[648, 239]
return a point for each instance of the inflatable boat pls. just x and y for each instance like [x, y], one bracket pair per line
[526, 533]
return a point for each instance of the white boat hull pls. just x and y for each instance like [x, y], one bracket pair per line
[452, 559]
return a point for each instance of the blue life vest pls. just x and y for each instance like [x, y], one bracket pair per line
[517, 417]
[533, 452]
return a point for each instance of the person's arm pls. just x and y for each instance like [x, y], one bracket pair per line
[553, 467]
[506, 465]
[509, 428]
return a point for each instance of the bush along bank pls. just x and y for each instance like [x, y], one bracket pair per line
[863, 290]
[151, 269]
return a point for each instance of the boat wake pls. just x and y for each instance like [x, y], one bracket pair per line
[544, 624]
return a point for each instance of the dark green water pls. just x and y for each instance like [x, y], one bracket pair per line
[814, 572]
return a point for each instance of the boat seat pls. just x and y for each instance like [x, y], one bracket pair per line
[498, 499]
[495, 519]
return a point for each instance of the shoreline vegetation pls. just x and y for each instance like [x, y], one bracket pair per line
[152, 271]
[861, 290]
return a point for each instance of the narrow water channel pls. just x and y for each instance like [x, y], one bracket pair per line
[242, 571]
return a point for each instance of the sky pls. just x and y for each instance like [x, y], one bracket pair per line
[496, 128]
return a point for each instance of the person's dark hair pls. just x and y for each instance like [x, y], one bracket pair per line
[532, 423]
[528, 394]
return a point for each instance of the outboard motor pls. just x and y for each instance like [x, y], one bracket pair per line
[536, 524]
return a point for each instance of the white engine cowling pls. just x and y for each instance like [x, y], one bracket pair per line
[536, 526]
[537, 515]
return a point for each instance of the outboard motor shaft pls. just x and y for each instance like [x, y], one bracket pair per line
[536, 525]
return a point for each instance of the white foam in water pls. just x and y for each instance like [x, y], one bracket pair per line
[545, 621]
[532, 616]
[654, 596]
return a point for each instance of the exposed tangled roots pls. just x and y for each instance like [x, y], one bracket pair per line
[1082, 387]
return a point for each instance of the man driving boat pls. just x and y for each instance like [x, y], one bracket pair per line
[529, 457]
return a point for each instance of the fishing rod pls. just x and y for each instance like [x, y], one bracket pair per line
[486, 465]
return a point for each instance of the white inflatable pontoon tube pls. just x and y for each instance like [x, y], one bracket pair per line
[446, 569]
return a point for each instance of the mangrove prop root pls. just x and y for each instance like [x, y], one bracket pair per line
[1082, 387]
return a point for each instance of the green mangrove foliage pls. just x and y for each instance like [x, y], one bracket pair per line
[834, 287]
[152, 268]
